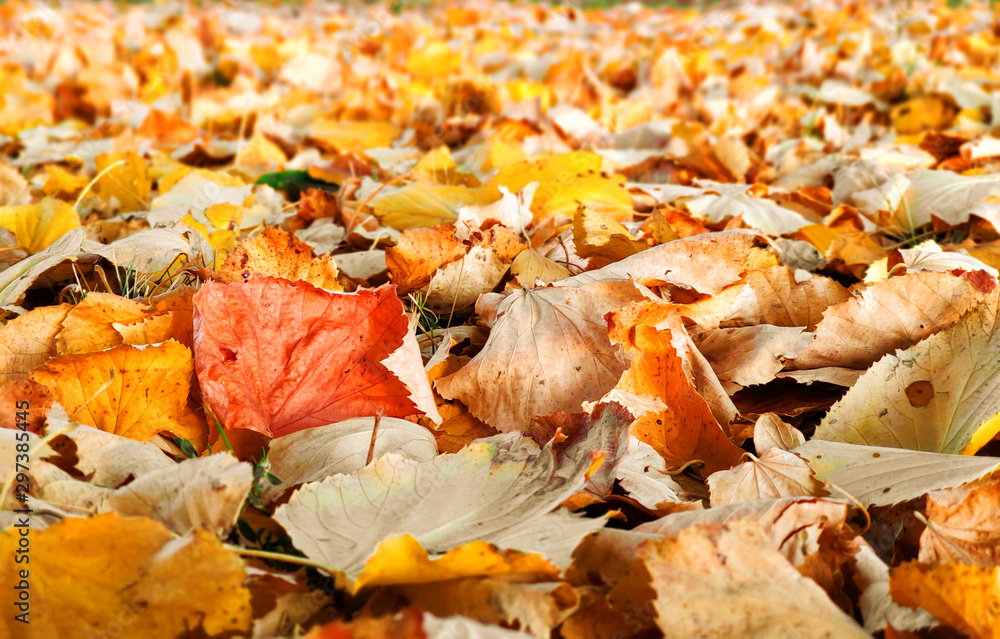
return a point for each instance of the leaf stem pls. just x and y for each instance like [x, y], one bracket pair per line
[277, 556]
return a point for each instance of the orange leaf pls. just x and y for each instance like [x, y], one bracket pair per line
[125, 390]
[277, 357]
[419, 253]
[687, 430]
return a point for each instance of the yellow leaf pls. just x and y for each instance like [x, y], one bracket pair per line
[499, 153]
[921, 114]
[62, 182]
[89, 327]
[38, 225]
[597, 235]
[132, 392]
[259, 151]
[130, 573]
[530, 265]
[353, 136]
[423, 204]
[129, 181]
[435, 59]
[964, 597]
[566, 181]
[402, 560]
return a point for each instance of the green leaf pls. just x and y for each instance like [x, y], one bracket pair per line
[186, 447]
[292, 183]
[247, 531]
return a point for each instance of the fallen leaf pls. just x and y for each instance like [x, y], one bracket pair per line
[165, 585]
[548, 352]
[687, 430]
[962, 596]
[705, 263]
[932, 396]
[892, 314]
[456, 286]
[267, 349]
[727, 581]
[37, 226]
[421, 205]
[402, 560]
[877, 607]
[597, 235]
[125, 390]
[771, 432]
[342, 448]
[782, 297]
[275, 253]
[879, 476]
[776, 473]
[495, 490]
[963, 527]
[89, 326]
[419, 253]
[750, 355]
[29, 340]
[530, 266]
[125, 177]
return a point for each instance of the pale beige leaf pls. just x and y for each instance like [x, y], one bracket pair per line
[706, 263]
[498, 489]
[752, 354]
[836, 375]
[459, 284]
[548, 352]
[891, 314]
[641, 474]
[317, 453]
[878, 476]
[758, 213]
[727, 581]
[464, 628]
[933, 396]
[104, 458]
[871, 577]
[945, 195]
[777, 473]
[202, 492]
[798, 526]
[407, 364]
[18, 278]
[771, 432]
[783, 297]
[150, 252]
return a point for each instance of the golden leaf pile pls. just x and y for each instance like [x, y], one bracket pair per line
[500, 319]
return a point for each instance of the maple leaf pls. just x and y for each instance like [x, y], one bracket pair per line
[276, 357]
